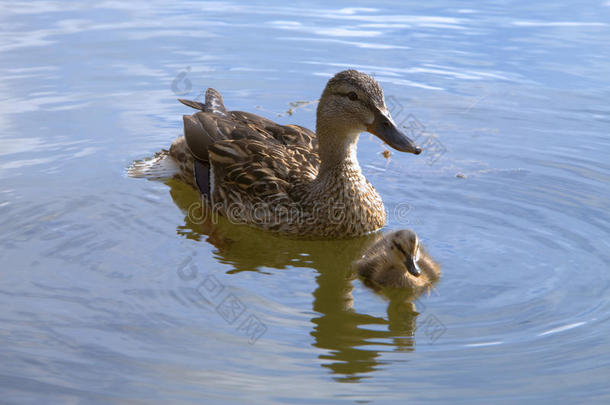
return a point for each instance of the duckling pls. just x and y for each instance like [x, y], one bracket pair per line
[399, 260]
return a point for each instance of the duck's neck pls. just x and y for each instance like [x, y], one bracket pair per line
[337, 149]
[340, 186]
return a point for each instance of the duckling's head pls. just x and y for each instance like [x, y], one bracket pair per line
[404, 249]
[353, 102]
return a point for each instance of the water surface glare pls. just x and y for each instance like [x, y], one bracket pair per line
[111, 293]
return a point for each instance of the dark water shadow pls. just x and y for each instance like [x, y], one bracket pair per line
[346, 335]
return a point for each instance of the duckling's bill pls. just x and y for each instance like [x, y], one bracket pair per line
[412, 266]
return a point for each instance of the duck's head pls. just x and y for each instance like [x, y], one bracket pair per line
[353, 102]
[405, 251]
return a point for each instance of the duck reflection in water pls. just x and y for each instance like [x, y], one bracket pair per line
[346, 336]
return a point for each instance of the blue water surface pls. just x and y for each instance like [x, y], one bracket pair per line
[112, 293]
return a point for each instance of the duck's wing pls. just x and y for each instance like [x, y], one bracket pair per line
[289, 135]
[203, 129]
[214, 123]
[255, 169]
[247, 151]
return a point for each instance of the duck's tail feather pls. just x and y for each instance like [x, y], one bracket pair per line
[213, 103]
[193, 104]
[160, 166]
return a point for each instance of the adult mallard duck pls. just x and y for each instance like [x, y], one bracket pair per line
[398, 260]
[285, 178]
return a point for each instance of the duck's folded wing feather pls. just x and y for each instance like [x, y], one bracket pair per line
[251, 153]
[261, 168]
[202, 129]
[285, 134]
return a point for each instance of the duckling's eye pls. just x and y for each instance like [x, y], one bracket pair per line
[352, 96]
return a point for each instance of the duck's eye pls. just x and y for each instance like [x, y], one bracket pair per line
[352, 96]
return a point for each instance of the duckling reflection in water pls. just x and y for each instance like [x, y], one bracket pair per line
[398, 260]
